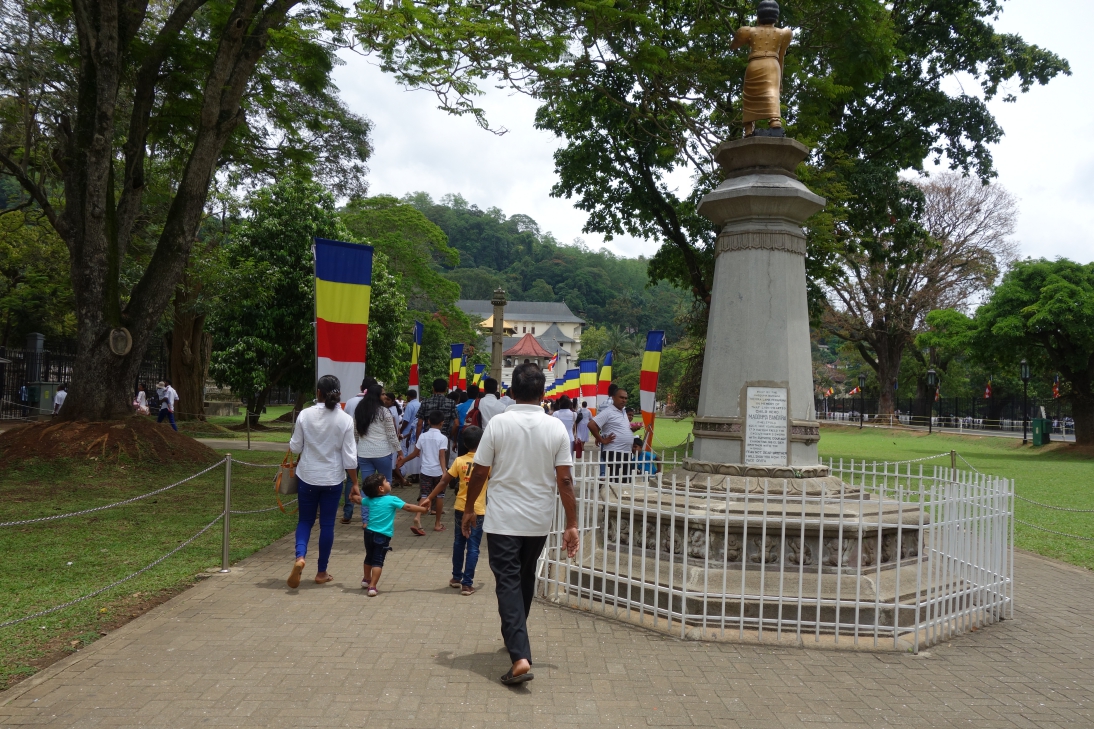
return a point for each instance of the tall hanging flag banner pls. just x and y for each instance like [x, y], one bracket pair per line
[415, 350]
[462, 381]
[1056, 387]
[343, 291]
[647, 381]
[454, 367]
[987, 389]
[573, 383]
[477, 379]
[554, 360]
[587, 367]
[603, 383]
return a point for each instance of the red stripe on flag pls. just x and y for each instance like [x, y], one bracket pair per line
[341, 342]
[647, 381]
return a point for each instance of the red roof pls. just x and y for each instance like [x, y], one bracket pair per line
[527, 347]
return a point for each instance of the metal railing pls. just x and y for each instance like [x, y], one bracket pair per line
[907, 553]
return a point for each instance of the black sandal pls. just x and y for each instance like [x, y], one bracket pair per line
[510, 680]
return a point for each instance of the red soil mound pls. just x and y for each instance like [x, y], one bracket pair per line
[134, 439]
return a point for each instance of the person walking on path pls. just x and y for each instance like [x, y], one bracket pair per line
[465, 549]
[612, 430]
[323, 437]
[140, 402]
[168, 398]
[526, 455]
[411, 468]
[565, 414]
[433, 449]
[381, 507]
[581, 428]
[396, 411]
[378, 442]
[442, 403]
[59, 400]
[490, 404]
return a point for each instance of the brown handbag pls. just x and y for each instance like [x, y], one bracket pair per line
[285, 482]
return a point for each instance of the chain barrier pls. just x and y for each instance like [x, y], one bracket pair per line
[901, 463]
[256, 465]
[101, 590]
[259, 511]
[1055, 508]
[1052, 531]
[118, 503]
[969, 464]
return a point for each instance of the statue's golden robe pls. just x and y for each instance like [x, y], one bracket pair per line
[764, 75]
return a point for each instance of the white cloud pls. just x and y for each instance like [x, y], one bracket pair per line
[1046, 157]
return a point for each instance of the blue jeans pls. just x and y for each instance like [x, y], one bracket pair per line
[464, 569]
[324, 500]
[164, 412]
[367, 467]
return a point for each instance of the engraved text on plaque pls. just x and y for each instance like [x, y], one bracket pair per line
[766, 426]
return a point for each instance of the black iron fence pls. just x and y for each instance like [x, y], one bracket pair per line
[969, 413]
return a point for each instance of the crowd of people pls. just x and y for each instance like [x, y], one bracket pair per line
[507, 455]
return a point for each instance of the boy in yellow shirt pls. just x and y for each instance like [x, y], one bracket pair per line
[465, 550]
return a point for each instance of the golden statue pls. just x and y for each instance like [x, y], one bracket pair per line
[764, 75]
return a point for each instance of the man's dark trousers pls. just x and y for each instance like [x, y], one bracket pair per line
[513, 562]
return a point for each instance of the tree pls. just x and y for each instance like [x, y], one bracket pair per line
[263, 331]
[903, 250]
[1043, 311]
[35, 295]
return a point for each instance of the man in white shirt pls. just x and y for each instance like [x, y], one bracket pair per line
[351, 404]
[167, 404]
[526, 455]
[59, 398]
[490, 405]
[611, 428]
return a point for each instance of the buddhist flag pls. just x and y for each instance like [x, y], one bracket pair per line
[415, 350]
[603, 383]
[587, 368]
[477, 379]
[1056, 387]
[987, 389]
[343, 290]
[647, 381]
[462, 381]
[454, 367]
[570, 385]
[553, 362]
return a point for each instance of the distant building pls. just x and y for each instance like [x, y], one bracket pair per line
[551, 324]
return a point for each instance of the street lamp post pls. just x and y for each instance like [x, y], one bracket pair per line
[861, 399]
[1025, 398]
[932, 379]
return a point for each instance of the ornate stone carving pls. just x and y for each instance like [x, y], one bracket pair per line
[739, 469]
[798, 552]
[769, 553]
[850, 552]
[909, 544]
[704, 428]
[760, 240]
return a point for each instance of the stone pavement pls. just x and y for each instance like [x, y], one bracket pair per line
[242, 650]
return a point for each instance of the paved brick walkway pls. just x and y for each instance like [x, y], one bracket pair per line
[241, 650]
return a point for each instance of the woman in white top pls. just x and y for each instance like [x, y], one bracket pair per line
[378, 439]
[566, 415]
[323, 437]
[396, 411]
[140, 403]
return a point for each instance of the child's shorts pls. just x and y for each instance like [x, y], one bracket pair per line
[376, 548]
[426, 484]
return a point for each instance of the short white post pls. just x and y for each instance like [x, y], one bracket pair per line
[227, 512]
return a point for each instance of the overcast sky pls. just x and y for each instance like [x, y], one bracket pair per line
[1046, 158]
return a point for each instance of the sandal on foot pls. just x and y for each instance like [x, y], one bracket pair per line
[454, 583]
[373, 592]
[439, 528]
[467, 590]
[510, 680]
[364, 584]
[418, 531]
[294, 577]
[328, 578]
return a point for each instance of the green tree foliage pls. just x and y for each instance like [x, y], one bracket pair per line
[35, 295]
[531, 265]
[263, 331]
[1043, 311]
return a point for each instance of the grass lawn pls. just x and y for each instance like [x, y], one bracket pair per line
[50, 563]
[1057, 474]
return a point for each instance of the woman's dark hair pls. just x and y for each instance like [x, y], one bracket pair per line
[371, 484]
[564, 403]
[368, 409]
[140, 386]
[394, 402]
[528, 382]
[331, 390]
[471, 435]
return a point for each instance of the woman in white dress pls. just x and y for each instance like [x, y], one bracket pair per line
[566, 415]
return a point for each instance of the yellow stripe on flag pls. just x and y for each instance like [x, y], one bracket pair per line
[342, 303]
[651, 362]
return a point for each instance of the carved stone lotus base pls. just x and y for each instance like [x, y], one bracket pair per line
[737, 479]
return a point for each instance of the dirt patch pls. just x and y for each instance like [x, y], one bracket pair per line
[289, 417]
[131, 439]
[200, 427]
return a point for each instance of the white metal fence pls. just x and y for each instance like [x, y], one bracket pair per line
[902, 553]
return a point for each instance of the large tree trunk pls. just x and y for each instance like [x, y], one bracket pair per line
[254, 409]
[1082, 411]
[888, 350]
[191, 348]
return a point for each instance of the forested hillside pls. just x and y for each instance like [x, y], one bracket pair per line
[516, 254]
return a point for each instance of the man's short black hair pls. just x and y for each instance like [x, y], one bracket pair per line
[612, 387]
[371, 484]
[436, 417]
[528, 382]
[470, 436]
[472, 392]
[490, 386]
[584, 403]
[440, 384]
[637, 442]
[411, 395]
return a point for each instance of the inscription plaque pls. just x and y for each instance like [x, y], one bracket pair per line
[766, 432]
